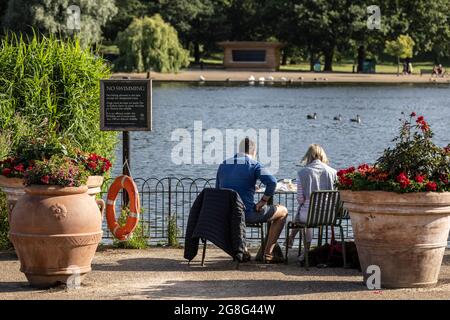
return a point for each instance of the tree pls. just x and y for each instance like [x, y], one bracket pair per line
[401, 48]
[127, 10]
[150, 42]
[51, 17]
[189, 18]
[325, 25]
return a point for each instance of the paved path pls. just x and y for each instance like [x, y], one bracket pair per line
[297, 77]
[160, 273]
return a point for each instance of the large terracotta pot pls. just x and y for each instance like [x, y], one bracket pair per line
[14, 189]
[404, 234]
[55, 232]
[94, 184]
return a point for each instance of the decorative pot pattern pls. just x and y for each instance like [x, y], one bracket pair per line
[404, 234]
[55, 232]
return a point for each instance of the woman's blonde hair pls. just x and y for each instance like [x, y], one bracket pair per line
[315, 152]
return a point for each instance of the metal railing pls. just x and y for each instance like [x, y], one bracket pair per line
[163, 200]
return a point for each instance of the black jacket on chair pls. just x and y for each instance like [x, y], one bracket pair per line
[217, 215]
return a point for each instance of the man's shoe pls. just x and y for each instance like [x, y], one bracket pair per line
[271, 259]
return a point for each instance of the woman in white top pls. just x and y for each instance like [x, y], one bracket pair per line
[316, 175]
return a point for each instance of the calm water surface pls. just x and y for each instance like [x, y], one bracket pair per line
[285, 108]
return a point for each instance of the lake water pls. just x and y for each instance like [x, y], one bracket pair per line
[284, 107]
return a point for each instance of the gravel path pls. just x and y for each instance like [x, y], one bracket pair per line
[162, 273]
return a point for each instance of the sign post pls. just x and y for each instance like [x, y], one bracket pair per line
[126, 105]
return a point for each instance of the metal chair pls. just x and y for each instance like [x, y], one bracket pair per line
[325, 210]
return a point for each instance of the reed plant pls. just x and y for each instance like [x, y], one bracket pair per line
[53, 86]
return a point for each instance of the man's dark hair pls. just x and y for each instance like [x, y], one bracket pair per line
[247, 146]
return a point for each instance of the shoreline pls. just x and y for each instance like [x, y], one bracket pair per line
[282, 77]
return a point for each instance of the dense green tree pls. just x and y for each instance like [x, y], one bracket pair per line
[151, 43]
[427, 22]
[127, 10]
[51, 16]
[326, 25]
[190, 18]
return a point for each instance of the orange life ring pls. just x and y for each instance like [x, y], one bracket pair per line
[122, 182]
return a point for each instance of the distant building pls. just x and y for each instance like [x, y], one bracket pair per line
[251, 54]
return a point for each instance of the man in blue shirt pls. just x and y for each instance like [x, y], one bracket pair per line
[240, 174]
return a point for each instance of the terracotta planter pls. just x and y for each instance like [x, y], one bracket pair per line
[55, 232]
[94, 184]
[14, 189]
[404, 234]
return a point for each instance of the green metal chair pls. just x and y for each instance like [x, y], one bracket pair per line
[325, 210]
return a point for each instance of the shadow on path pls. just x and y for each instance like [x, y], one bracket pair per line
[249, 288]
[216, 264]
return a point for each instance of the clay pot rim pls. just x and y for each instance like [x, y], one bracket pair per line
[95, 181]
[11, 182]
[397, 198]
[54, 190]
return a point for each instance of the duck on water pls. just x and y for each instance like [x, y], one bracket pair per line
[357, 119]
[312, 116]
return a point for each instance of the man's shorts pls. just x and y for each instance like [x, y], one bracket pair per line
[264, 215]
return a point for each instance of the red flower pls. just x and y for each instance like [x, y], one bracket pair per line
[93, 157]
[6, 172]
[413, 114]
[345, 181]
[45, 179]
[419, 179]
[20, 167]
[403, 180]
[92, 165]
[431, 186]
[444, 179]
[420, 119]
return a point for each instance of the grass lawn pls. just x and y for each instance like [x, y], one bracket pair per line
[382, 67]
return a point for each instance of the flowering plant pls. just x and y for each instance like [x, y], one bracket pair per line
[94, 164]
[28, 150]
[15, 167]
[415, 164]
[57, 170]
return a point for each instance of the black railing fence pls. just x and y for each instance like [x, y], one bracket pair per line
[170, 199]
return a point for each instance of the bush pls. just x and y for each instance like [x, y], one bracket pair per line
[137, 240]
[151, 43]
[53, 86]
